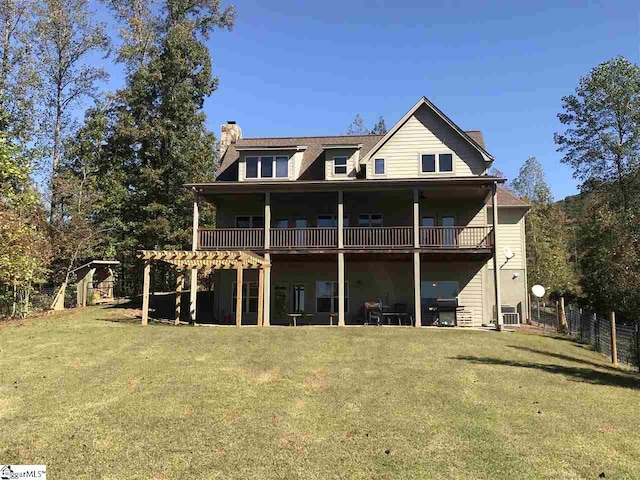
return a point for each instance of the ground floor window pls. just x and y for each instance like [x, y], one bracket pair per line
[327, 297]
[431, 291]
[249, 297]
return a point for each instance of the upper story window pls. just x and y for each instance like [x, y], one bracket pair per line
[339, 165]
[266, 166]
[332, 220]
[370, 220]
[378, 166]
[250, 221]
[428, 163]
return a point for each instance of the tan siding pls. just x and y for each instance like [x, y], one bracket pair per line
[352, 156]
[510, 233]
[425, 132]
[471, 297]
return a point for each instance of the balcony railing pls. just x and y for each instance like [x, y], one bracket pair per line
[456, 237]
[312, 237]
[231, 238]
[354, 237]
[376, 237]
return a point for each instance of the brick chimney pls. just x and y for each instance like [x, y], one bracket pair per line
[230, 133]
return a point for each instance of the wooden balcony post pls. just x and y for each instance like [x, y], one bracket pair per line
[496, 267]
[416, 218]
[340, 260]
[340, 219]
[239, 295]
[193, 293]
[416, 258]
[266, 320]
[146, 280]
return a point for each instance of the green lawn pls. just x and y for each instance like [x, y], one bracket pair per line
[93, 395]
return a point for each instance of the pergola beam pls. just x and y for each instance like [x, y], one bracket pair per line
[209, 260]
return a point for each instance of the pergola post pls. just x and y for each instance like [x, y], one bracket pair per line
[260, 296]
[341, 319]
[267, 256]
[239, 295]
[179, 287]
[416, 258]
[146, 280]
[496, 268]
[193, 293]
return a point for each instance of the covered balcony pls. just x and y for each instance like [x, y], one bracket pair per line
[319, 238]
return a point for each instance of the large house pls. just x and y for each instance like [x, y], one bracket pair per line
[401, 219]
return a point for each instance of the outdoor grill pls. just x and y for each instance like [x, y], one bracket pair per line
[447, 308]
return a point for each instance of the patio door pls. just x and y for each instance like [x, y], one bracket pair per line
[301, 236]
[448, 233]
[281, 302]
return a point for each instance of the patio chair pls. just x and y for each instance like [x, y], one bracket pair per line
[373, 313]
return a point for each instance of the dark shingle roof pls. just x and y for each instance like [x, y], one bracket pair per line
[313, 152]
[476, 136]
[508, 199]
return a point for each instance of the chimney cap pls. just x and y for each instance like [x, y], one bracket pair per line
[231, 122]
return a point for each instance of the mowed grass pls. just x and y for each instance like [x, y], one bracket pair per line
[94, 397]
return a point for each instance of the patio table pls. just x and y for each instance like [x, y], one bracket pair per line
[293, 317]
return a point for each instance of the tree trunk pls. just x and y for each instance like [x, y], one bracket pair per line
[56, 151]
[15, 300]
[562, 327]
[5, 48]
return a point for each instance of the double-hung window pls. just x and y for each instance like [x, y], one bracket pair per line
[249, 297]
[267, 166]
[339, 165]
[441, 163]
[370, 220]
[378, 166]
[327, 297]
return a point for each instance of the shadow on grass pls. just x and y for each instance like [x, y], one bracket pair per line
[135, 320]
[578, 374]
[567, 358]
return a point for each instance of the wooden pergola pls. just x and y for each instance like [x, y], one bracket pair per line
[206, 261]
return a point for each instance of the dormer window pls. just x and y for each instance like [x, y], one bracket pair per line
[266, 166]
[252, 167]
[339, 165]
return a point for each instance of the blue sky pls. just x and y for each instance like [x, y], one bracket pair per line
[306, 68]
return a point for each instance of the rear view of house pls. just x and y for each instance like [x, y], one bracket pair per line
[399, 228]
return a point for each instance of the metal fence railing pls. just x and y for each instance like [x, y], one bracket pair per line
[593, 329]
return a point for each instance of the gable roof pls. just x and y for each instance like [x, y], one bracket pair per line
[474, 138]
[315, 147]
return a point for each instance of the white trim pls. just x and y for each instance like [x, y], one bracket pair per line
[346, 166]
[424, 101]
[348, 146]
[262, 149]
[437, 171]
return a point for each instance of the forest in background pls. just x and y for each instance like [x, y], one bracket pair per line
[111, 182]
